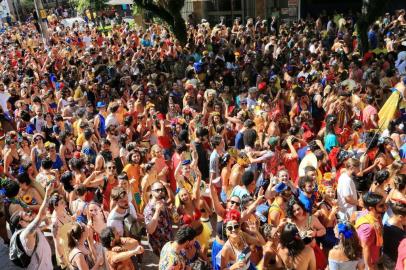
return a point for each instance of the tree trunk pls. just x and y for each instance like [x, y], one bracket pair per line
[170, 14]
[179, 29]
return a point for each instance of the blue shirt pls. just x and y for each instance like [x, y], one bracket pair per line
[239, 141]
[58, 163]
[302, 152]
[402, 151]
[239, 192]
[373, 40]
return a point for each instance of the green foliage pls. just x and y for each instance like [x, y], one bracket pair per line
[168, 11]
[374, 9]
[82, 5]
[27, 5]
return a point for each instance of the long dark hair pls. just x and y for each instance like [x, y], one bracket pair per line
[291, 203]
[291, 240]
[331, 121]
[351, 245]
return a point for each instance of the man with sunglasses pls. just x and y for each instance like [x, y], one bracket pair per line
[158, 219]
[369, 228]
[25, 225]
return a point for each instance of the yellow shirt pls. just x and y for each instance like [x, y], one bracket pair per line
[76, 127]
[78, 95]
[80, 140]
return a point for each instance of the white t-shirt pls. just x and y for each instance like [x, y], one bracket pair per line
[41, 259]
[115, 219]
[111, 120]
[346, 187]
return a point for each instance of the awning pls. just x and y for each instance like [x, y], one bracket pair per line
[119, 2]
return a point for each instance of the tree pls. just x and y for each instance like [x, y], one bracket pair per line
[170, 12]
[83, 5]
[372, 9]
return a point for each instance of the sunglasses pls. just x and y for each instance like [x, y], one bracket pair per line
[111, 168]
[233, 227]
[236, 203]
[159, 190]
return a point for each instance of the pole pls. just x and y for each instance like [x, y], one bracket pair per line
[42, 25]
[16, 10]
[232, 7]
[298, 9]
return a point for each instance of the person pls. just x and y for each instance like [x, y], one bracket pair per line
[217, 143]
[121, 209]
[393, 233]
[347, 254]
[247, 187]
[235, 253]
[327, 214]
[309, 228]
[401, 261]
[369, 228]
[172, 256]
[158, 218]
[61, 221]
[26, 226]
[203, 160]
[80, 257]
[346, 191]
[370, 114]
[119, 249]
[275, 98]
[292, 251]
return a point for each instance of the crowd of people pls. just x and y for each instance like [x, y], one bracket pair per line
[263, 145]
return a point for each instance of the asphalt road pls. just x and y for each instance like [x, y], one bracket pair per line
[5, 263]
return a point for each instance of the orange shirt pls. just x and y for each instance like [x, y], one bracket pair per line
[133, 172]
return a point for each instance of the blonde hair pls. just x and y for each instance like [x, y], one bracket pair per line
[154, 149]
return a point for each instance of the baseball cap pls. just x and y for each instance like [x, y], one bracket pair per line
[15, 220]
[273, 140]
[100, 104]
[186, 162]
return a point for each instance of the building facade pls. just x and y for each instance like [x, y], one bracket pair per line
[213, 10]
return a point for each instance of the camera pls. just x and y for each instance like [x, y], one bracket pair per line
[306, 238]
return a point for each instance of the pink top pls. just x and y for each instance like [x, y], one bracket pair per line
[401, 255]
[366, 233]
[366, 116]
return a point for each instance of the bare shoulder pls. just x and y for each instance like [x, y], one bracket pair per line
[337, 254]
[308, 250]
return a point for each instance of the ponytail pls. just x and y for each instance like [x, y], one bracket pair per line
[74, 235]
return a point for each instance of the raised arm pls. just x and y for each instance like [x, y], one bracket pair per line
[30, 231]
[218, 208]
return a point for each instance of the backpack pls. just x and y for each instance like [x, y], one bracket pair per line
[132, 228]
[17, 254]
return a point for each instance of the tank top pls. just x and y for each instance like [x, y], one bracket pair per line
[88, 260]
[102, 125]
[15, 165]
[240, 254]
